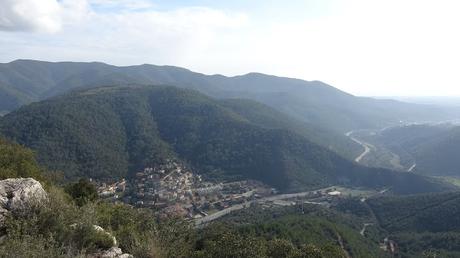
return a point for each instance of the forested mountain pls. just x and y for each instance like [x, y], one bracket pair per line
[24, 81]
[301, 224]
[439, 155]
[426, 212]
[110, 132]
[262, 115]
[64, 225]
[421, 223]
[433, 148]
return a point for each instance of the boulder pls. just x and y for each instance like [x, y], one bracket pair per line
[18, 195]
[113, 252]
[100, 229]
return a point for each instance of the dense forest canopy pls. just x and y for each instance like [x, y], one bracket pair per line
[432, 147]
[25, 81]
[112, 132]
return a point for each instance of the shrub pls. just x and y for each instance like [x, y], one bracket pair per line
[82, 192]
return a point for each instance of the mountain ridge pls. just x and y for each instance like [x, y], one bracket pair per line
[25, 81]
[109, 132]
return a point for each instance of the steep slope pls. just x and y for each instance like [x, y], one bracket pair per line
[315, 102]
[17, 161]
[419, 213]
[433, 148]
[423, 225]
[111, 132]
[439, 155]
[315, 224]
[267, 117]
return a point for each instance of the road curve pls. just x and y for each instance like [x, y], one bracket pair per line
[363, 230]
[367, 147]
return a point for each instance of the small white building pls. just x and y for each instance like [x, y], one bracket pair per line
[334, 193]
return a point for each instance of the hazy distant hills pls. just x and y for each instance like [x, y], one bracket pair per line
[24, 81]
[92, 129]
[110, 132]
[440, 101]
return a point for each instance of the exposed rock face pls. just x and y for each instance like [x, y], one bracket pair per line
[18, 195]
[113, 252]
[100, 229]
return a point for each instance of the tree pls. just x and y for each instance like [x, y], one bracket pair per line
[82, 192]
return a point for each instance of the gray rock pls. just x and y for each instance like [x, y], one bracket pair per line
[100, 229]
[18, 195]
[113, 252]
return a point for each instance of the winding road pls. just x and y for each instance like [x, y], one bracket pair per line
[367, 147]
[365, 225]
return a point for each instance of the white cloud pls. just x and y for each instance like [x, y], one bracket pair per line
[123, 36]
[30, 15]
[124, 5]
[366, 47]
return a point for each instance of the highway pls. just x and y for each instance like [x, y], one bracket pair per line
[236, 207]
[367, 147]
[412, 168]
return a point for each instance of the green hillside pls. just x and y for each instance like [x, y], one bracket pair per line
[433, 148]
[421, 224]
[64, 226]
[439, 155]
[314, 102]
[421, 213]
[315, 225]
[112, 132]
[17, 161]
[267, 117]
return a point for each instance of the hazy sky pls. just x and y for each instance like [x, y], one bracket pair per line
[365, 47]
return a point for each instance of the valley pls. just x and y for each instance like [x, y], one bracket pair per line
[212, 161]
[229, 129]
[408, 147]
[377, 154]
[174, 191]
[367, 147]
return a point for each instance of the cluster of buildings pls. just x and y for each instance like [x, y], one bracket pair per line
[112, 191]
[162, 186]
[390, 246]
[173, 190]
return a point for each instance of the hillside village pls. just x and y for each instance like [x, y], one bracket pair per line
[173, 190]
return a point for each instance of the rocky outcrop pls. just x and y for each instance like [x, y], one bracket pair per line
[113, 252]
[18, 195]
[100, 229]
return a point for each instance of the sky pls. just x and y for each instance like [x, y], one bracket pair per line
[364, 47]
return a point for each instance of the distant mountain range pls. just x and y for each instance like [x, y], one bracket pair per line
[112, 132]
[439, 101]
[26, 81]
[93, 120]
